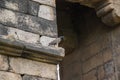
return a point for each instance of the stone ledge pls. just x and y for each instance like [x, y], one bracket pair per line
[31, 51]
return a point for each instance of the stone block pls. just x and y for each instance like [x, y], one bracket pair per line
[18, 5]
[46, 12]
[18, 34]
[27, 77]
[97, 46]
[9, 76]
[90, 76]
[92, 63]
[28, 23]
[109, 70]
[33, 8]
[107, 55]
[29, 67]
[3, 62]
[47, 2]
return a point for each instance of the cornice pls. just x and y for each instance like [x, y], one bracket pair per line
[31, 51]
[107, 10]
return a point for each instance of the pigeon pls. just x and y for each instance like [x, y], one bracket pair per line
[56, 41]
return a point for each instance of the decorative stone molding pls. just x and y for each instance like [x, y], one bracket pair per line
[107, 10]
[31, 51]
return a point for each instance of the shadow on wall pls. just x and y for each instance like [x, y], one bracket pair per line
[69, 20]
[65, 25]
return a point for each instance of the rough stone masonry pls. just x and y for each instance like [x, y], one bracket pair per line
[26, 21]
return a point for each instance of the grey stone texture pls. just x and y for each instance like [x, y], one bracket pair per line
[9, 76]
[46, 12]
[33, 8]
[26, 77]
[28, 23]
[17, 34]
[29, 67]
[18, 5]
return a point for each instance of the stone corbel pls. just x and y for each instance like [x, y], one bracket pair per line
[107, 10]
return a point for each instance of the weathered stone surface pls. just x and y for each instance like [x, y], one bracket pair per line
[11, 48]
[101, 73]
[58, 52]
[90, 75]
[26, 77]
[9, 76]
[44, 40]
[31, 51]
[18, 5]
[47, 2]
[109, 71]
[92, 63]
[33, 8]
[24, 66]
[46, 12]
[28, 23]
[3, 63]
[18, 34]
[107, 55]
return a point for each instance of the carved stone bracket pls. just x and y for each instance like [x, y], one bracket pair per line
[107, 10]
[30, 51]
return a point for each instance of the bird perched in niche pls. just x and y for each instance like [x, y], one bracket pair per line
[56, 41]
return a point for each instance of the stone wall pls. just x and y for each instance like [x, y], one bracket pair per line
[12, 68]
[34, 16]
[26, 21]
[97, 57]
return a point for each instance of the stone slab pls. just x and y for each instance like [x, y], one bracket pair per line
[9, 76]
[29, 67]
[33, 8]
